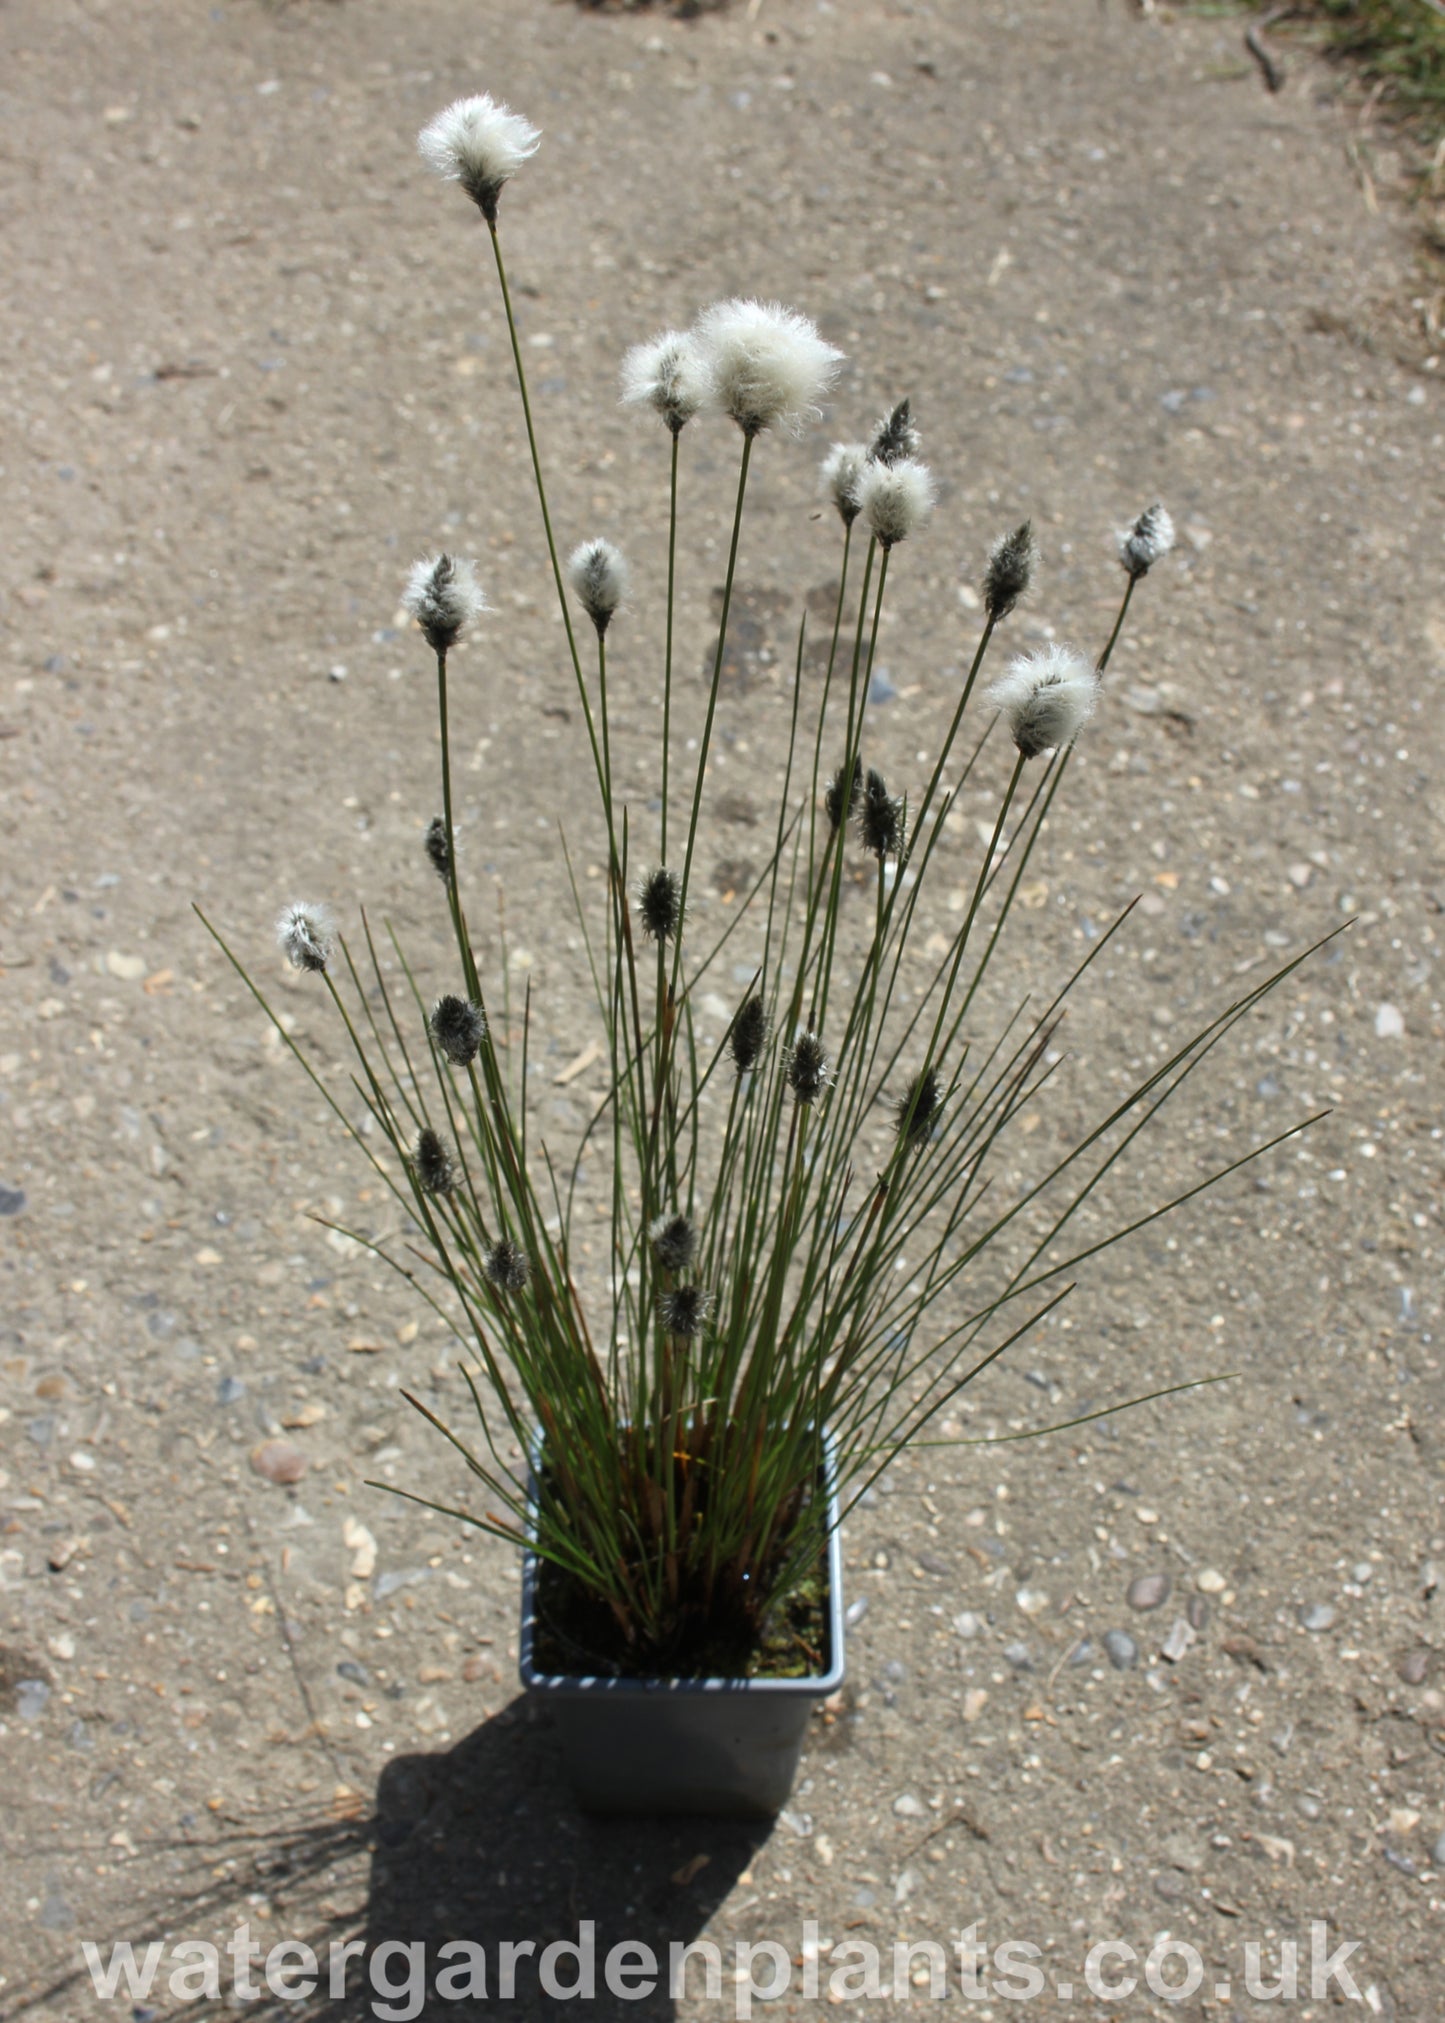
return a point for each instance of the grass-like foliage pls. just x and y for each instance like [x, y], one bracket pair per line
[1397, 43]
[814, 1221]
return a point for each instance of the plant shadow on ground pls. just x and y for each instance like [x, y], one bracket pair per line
[479, 1842]
[485, 1843]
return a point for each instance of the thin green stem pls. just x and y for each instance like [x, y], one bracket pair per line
[667, 653]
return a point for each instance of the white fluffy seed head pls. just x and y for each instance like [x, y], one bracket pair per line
[840, 471]
[444, 597]
[480, 144]
[1047, 698]
[1148, 541]
[306, 935]
[598, 575]
[894, 499]
[667, 374]
[768, 366]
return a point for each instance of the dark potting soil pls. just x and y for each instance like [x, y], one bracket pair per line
[578, 1634]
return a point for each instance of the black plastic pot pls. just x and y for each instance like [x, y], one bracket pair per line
[686, 1745]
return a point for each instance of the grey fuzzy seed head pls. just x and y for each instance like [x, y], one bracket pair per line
[458, 1026]
[659, 904]
[880, 818]
[918, 1110]
[306, 935]
[840, 472]
[838, 805]
[895, 437]
[1148, 541]
[1011, 564]
[684, 1310]
[507, 1265]
[436, 847]
[674, 1240]
[808, 1067]
[444, 597]
[434, 1165]
[749, 1035]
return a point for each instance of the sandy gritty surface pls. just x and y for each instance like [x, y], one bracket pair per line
[254, 363]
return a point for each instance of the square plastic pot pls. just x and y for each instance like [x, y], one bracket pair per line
[686, 1745]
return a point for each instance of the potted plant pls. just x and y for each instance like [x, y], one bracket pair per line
[809, 1246]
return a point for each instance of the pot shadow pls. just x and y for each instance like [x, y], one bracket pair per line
[485, 1843]
[482, 1842]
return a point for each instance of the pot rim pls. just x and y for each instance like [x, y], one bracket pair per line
[814, 1686]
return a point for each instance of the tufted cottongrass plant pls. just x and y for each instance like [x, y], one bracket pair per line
[814, 1219]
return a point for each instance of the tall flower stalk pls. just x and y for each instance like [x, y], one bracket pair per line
[808, 1219]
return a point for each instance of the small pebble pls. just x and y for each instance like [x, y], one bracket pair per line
[356, 1673]
[855, 1612]
[1121, 1650]
[1180, 1637]
[1150, 1591]
[1019, 1657]
[1210, 1582]
[400, 1577]
[1316, 1616]
[1032, 1601]
[228, 1390]
[1310, 1807]
[1437, 1853]
[30, 1698]
[895, 1672]
[907, 1806]
[12, 1200]
[931, 1563]
[1415, 1666]
[279, 1461]
[1082, 1653]
[1362, 1573]
[1400, 1861]
[880, 688]
[1197, 1610]
[968, 1625]
[1388, 1023]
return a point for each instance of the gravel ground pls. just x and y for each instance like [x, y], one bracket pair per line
[1175, 1673]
